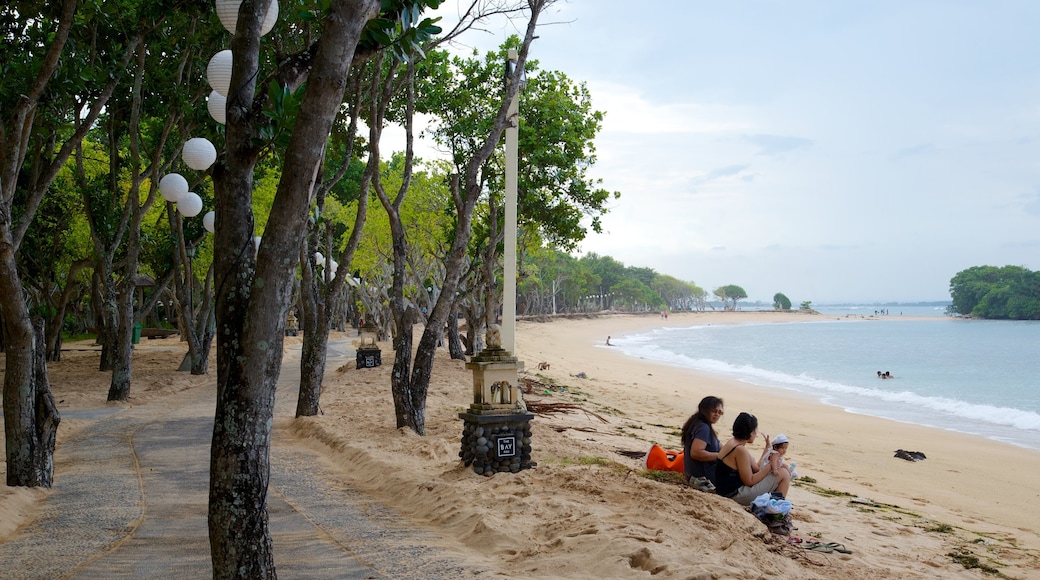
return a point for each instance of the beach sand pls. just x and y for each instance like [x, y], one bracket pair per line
[587, 511]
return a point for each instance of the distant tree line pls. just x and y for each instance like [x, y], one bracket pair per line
[1009, 293]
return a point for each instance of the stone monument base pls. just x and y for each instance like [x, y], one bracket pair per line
[494, 443]
[368, 358]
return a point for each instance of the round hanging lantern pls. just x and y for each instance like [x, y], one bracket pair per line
[209, 221]
[216, 104]
[173, 187]
[199, 153]
[319, 258]
[218, 72]
[333, 266]
[191, 205]
[227, 12]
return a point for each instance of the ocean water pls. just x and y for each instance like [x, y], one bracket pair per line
[974, 376]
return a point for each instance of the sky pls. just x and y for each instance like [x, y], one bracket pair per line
[835, 151]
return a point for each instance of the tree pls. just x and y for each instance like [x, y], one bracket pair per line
[1008, 292]
[44, 122]
[781, 302]
[410, 378]
[729, 295]
[253, 289]
[805, 305]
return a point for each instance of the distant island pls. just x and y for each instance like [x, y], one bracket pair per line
[1007, 293]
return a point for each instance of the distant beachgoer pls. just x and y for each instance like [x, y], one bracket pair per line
[888, 375]
[608, 341]
[778, 446]
[879, 375]
[738, 476]
[701, 444]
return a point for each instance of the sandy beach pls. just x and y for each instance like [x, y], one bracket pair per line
[588, 511]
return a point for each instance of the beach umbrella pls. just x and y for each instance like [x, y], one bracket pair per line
[190, 205]
[208, 221]
[218, 72]
[227, 12]
[216, 104]
[199, 153]
[173, 187]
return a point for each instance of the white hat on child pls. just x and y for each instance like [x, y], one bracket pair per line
[779, 439]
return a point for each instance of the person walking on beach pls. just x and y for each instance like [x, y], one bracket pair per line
[738, 476]
[701, 444]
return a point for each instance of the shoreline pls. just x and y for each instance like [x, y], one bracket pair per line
[964, 475]
[840, 395]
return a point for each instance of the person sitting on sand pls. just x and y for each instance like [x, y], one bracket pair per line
[738, 476]
[778, 446]
[608, 341]
[701, 444]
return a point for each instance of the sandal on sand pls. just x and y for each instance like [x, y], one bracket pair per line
[827, 548]
[702, 484]
[839, 548]
[794, 540]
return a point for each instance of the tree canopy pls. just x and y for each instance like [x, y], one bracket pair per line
[1009, 292]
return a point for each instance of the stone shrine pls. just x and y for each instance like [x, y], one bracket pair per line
[496, 435]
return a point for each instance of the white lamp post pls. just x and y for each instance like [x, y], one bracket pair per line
[509, 255]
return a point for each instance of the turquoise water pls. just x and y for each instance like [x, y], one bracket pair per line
[974, 376]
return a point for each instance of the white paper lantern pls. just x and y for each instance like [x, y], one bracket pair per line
[256, 242]
[227, 12]
[333, 266]
[216, 104]
[209, 221]
[173, 187]
[191, 205]
[319, 258]
[199, 153]
[218, 72]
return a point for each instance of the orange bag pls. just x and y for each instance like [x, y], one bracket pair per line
[660, 459]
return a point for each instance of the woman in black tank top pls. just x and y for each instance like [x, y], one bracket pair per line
[737, 475]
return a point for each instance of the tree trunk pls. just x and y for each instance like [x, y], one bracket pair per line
[315, 324]
[454, 340]
[253, 292]
[122, 345]
[26, 454]
[30, 417]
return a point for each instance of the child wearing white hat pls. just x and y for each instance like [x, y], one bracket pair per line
[780, 444]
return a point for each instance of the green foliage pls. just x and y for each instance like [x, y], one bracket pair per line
[399, 29]
[556, 135]
[729, 295]
[806, 305]
[1009, 292]
[781, 302]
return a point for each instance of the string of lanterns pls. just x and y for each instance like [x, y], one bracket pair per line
[199, 153]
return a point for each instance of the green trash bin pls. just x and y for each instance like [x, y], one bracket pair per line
[137, 333]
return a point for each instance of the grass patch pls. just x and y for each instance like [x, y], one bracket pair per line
[590, 460]
[939, 528]
[971, 562]
[663, 476]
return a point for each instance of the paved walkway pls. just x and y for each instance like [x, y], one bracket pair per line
[130, 496]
